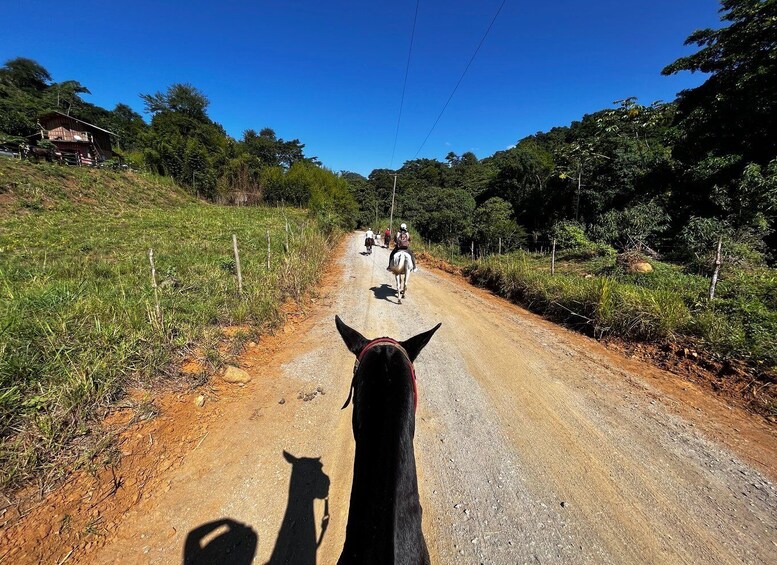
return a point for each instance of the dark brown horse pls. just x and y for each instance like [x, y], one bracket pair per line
[384, 519]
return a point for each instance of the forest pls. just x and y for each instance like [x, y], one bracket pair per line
[665, 178]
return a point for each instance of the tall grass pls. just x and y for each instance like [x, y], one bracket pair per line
[602, 304]
[77, 321]
[665, 305]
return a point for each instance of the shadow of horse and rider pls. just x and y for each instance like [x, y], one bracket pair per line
[229, 542]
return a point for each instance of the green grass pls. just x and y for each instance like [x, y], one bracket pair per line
[77, 314]
[666, 305]
[447, 252]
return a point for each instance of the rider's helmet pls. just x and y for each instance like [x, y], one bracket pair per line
[403, 227]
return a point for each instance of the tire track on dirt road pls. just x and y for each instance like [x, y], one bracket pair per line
[533, 444]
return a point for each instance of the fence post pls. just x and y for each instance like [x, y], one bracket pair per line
[237, 265]
[268, 250]
[472, 249]
[553, 259]
[157, 308]
[500, 245]
[286, 245]
[716, 272]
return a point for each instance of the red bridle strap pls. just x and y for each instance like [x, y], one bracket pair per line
[394, 343]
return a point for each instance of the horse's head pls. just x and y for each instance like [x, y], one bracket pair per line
[384, 519]
[384, 377]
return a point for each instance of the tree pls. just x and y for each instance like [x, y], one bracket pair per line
[22, 85]
[181, 98]
[522, 179]
[440, 214]
[636, 227]
[127, 124]
[262, 145]
[67, 96]
[469, 173]
[577, 160]
[735, 110]
[183, 142]
[729, 122]
[273, 151]
[430, 172]
[366, 197]
[24, 74]
[494, 222]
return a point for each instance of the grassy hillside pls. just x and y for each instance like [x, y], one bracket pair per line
[77, 313]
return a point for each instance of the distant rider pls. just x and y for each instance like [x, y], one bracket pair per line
[369, 238]
[402, 242]
[387, 237]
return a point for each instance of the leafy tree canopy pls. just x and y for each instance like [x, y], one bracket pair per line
[25, 74]
[735, 110]
[181, 98]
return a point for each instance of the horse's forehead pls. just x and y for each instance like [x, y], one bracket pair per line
[378, 352]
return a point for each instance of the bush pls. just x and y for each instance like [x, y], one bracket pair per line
[571, 238]
[570, 235]
[631, 228]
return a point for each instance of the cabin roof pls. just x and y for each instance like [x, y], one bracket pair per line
[55, 113]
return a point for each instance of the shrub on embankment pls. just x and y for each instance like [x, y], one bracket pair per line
[78, 318]
[665, 305]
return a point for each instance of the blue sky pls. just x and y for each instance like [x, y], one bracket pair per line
[330, 73]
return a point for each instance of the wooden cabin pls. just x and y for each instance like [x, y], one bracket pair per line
[86, 143]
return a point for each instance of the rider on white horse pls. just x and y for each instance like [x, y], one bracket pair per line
[402, 243]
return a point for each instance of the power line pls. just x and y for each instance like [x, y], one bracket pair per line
[404, 85]
[482, 39]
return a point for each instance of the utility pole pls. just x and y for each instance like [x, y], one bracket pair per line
[393, 194]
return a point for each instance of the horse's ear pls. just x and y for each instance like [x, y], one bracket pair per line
[415, 344]
[289, 457]
[353, 339]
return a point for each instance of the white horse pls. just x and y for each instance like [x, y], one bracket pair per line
[401, 266]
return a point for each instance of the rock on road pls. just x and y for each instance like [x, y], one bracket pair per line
[533, 445]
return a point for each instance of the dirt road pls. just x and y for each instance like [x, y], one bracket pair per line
[533, 445]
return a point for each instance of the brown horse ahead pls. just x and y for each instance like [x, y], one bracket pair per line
[384, 520]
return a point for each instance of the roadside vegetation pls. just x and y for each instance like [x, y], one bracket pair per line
[603, 295]
[78, 320]
[604, 299]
